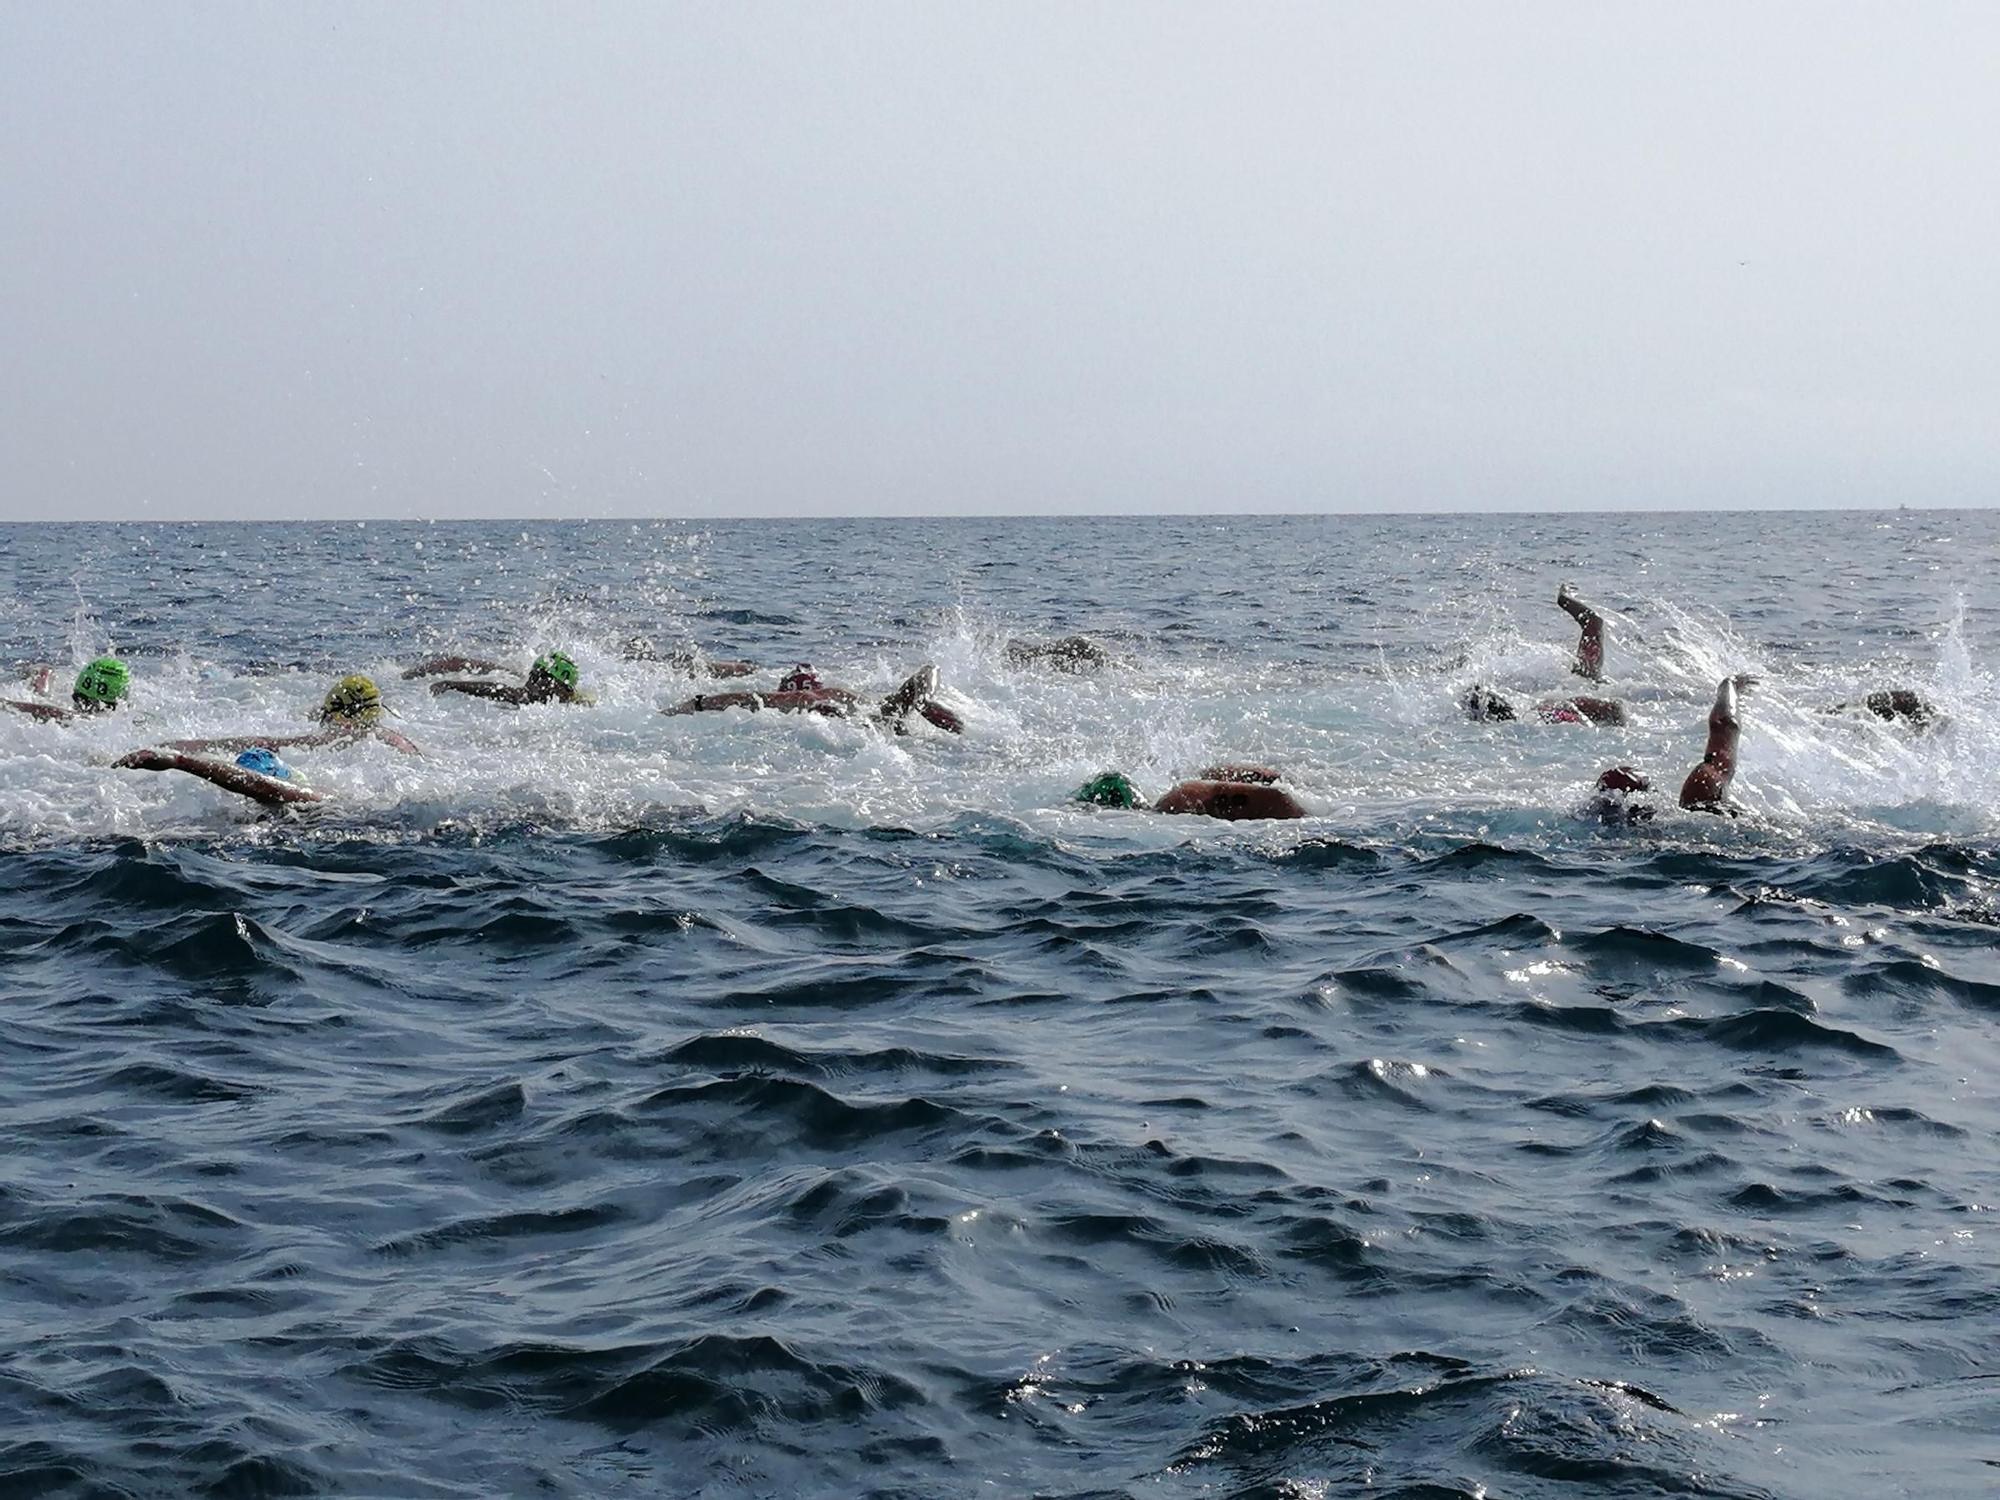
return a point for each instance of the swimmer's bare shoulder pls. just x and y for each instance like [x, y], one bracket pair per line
[1234, 801]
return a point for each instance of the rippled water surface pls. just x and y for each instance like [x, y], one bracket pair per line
[606, 1103]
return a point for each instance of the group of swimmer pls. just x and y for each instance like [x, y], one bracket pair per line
[353, 711]
[1618, 794]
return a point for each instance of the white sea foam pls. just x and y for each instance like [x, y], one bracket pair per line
[1377, 751]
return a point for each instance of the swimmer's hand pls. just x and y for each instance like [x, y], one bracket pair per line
[1745, 681]
[944, 718]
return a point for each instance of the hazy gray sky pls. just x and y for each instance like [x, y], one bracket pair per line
[739, 258]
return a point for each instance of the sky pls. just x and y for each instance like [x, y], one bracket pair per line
[734, 259]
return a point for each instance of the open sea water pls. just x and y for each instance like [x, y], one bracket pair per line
[607, 1103]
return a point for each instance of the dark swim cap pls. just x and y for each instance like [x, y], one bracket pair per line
[1112, 789]
[101, 684]
[264, 761]
[353, 700]
[1483, 703]
[1624, 779]
[800, 679]
[1900, 703]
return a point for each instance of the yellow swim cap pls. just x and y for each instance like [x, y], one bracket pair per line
[353, 700]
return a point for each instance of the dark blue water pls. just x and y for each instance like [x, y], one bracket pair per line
[614, 1104]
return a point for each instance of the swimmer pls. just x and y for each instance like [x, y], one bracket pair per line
[351, 711]
[99, 688]
[1481, 702]
[1894, 704]
[257, 774]
[552, 679]
[1073, 653]
[694, 663]
[1707, 786]
[1233, 793]
[1615, 797]
[1590, 644]
[800, 691]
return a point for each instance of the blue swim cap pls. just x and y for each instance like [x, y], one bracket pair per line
[264, 761]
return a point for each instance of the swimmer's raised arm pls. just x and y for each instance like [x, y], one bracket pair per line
[1590, 644]
[918, 695]
[245, 783]
[1707, 786]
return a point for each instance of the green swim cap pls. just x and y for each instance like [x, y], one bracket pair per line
[557, 666]
[102, 683]
[1112, 789]
[353, 700]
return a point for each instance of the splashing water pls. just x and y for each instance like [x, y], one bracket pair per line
[1347, 678]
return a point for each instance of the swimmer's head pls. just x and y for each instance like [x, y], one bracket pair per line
[354, 702]
[1901, 703]
[554, 675]
[1112, 789]
[1615, 800]
[101, 685]
[800, 679]
[264, 761]
[1481, 702]
[1624, 779]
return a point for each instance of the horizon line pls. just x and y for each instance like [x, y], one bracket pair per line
[1102, 515]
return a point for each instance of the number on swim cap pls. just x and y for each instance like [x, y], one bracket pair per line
[103, 682]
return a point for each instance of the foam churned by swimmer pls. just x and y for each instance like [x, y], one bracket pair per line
[1338, 685]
